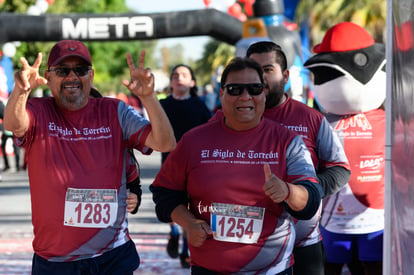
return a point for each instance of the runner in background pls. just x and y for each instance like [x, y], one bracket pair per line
[185, 111]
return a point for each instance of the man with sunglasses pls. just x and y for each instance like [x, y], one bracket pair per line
[326, 150]
[232, 181]
[78, 157]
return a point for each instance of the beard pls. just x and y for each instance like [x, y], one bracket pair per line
[72, 101]
[275, 94]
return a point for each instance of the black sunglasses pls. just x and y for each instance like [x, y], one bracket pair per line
[237, 89]
[65, 71]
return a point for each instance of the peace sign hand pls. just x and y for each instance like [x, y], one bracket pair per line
[28, 78]
[142, 80]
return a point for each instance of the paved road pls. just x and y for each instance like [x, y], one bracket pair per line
[149, 234]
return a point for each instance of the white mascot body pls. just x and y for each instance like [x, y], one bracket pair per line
[350, 86]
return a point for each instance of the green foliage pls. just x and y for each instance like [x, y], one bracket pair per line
[16, 6]
[323, 14]
[215, 54]
[109, 62]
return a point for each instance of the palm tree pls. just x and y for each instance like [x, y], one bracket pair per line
[323, 14]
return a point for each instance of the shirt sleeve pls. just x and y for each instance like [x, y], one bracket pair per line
[312, 206]
[332, 179]
[169, 186]
[333, 168]
[301, 172]
[166, 200]
[135, 127]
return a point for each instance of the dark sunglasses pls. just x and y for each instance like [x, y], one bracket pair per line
[65, 71]
[237, 89]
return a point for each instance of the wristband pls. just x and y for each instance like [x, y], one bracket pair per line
[288, 188]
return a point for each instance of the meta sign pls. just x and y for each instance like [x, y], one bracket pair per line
[105, 28]
[120, 27]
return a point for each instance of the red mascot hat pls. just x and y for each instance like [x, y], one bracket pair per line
[337, 39]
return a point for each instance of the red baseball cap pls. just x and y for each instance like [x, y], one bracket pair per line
[345, 36]
[66, 48]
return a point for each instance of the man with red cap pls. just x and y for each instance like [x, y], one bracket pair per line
[349, 78]
[78, 157]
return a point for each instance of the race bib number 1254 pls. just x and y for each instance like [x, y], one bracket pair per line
[236, 223]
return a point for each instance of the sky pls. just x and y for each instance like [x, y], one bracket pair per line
[193, 46]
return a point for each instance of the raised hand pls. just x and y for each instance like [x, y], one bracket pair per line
[141, 83]
[276, 189]
[28, 77]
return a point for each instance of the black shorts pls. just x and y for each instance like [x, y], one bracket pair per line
[196, 270]
[121, 260]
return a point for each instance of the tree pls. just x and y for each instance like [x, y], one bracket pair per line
[323, 14]
[215, 54]
[171, 56]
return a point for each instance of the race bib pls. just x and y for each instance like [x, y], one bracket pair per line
[93, 208]
[236, 223]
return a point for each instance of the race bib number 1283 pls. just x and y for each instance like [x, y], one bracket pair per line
[94, 208]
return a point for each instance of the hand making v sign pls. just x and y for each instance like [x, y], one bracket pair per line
[142, 80]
